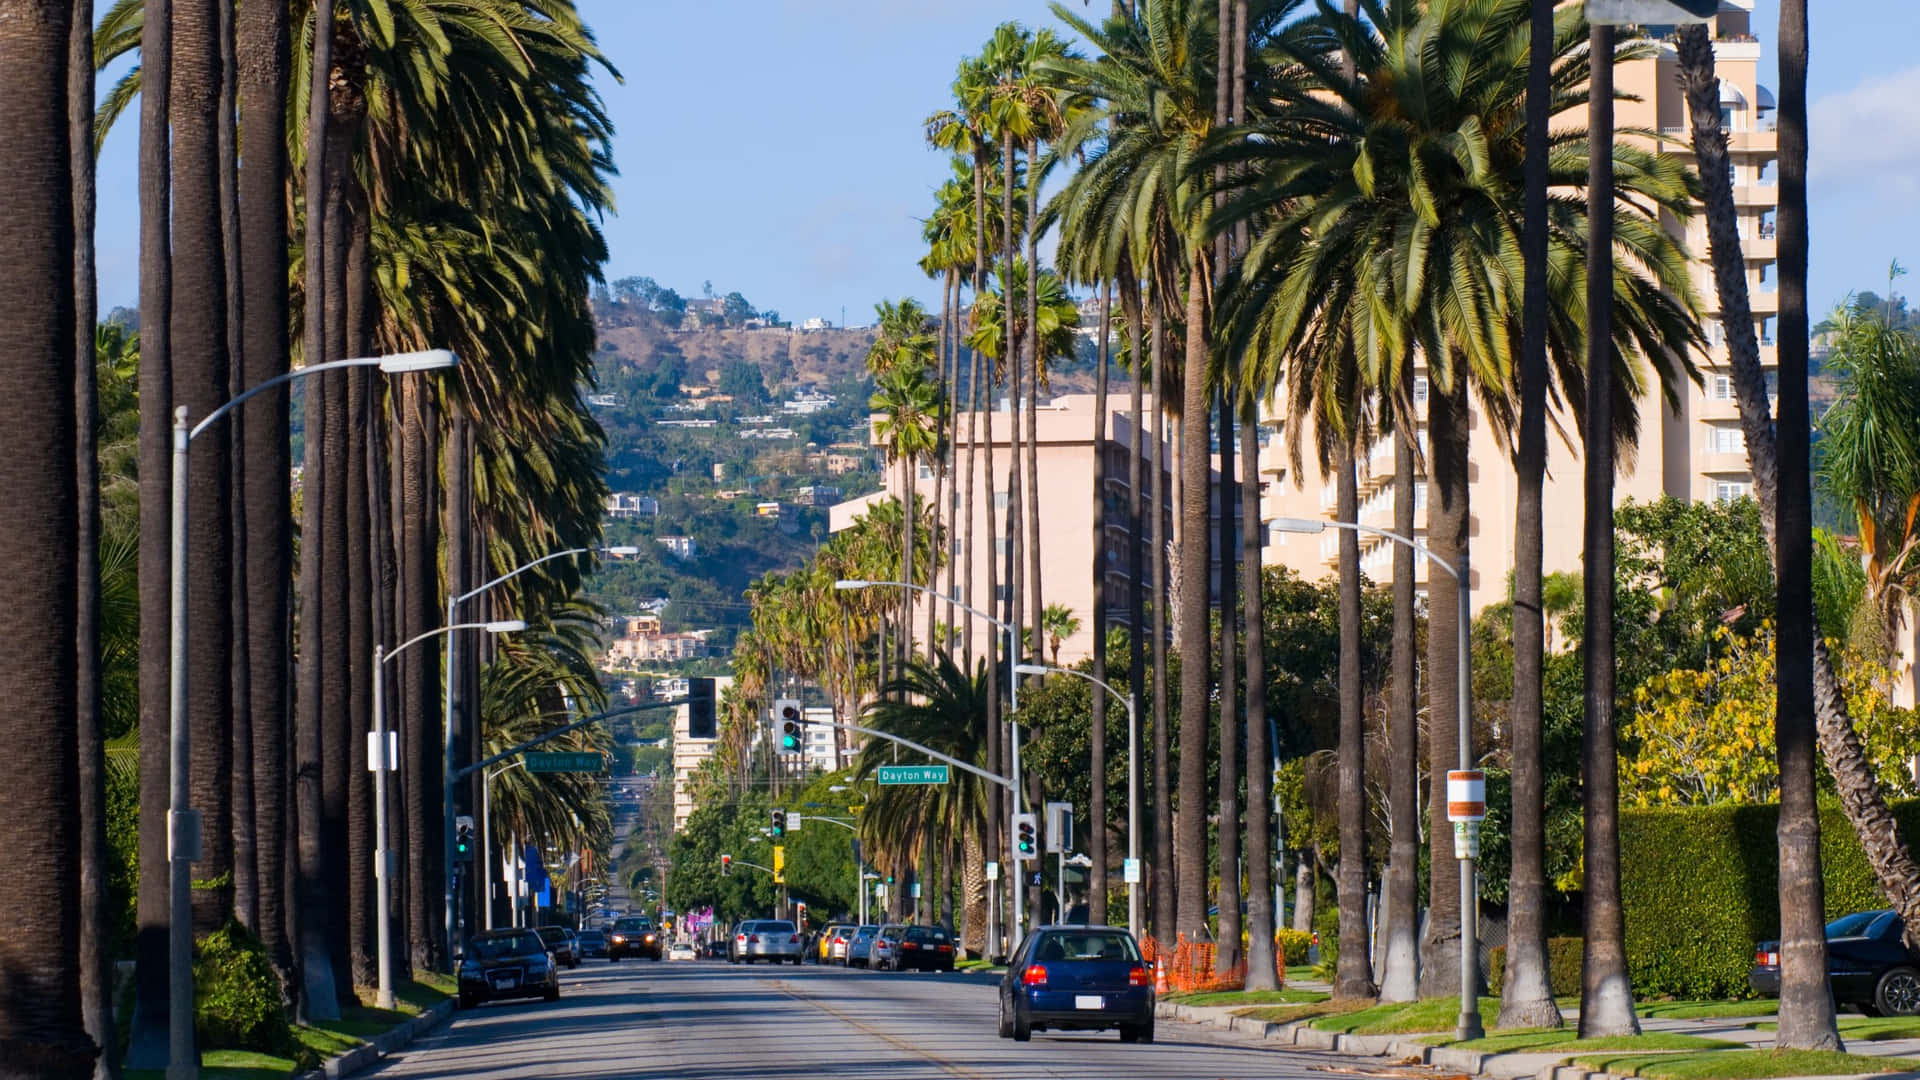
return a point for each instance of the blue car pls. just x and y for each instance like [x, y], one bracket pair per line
[1077, 978]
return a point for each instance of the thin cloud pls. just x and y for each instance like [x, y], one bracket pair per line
[1868, 136]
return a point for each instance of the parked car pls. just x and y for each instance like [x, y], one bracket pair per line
[925, 948]
[1868, 965]
[860, 945]
[634, 935]
[823, 947]
[885, 955]
[1077, 978]
[506, 964]
[560, 943]
[718, 948]
[680, 950]
[767, 939]
[838, 940]
[592, 943]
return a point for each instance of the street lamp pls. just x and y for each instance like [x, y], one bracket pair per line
[446, 740]
[1470, 1026]
[1013, 695]
[1133, 782]
[486, 838]
[379, 758]
[183, 822]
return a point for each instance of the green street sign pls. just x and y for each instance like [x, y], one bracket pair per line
[913, 774]
[549, 763]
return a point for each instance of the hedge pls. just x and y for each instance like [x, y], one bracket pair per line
[1293, 945]
[1564, 956]
[1699, 886]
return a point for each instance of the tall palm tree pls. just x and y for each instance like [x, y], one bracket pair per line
[909, 432]
[41, 1026]
[1806, 1016]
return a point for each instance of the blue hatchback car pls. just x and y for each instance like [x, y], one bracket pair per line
[1077, 978]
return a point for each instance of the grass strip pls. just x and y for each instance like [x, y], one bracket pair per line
[1557, 1040]
[1745, 1064]
[1287, 1014]
[1706, 1010]
[1249, 997]
[1406, 1018]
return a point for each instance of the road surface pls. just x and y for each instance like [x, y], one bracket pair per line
[690, 1020]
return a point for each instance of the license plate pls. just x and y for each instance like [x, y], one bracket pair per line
[1089, 1001]
[504, 982]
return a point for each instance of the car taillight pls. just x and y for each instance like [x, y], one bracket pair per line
[753, 939]
[839, 941]
[1137, 976]
[794, 940]
[1035, 975]
[908, 945]
[946, 948]
[1767, 959]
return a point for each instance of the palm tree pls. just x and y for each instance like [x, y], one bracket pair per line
[909, 433]
[1061, 624]
[43, 1029]
[1806, 1016]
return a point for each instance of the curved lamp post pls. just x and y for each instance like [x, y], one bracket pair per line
[1470, 1026]
[379, 758]
[183, 822]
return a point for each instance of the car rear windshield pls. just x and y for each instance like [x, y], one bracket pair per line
[776, 926]
[926, 933]
[491, 948]
[1109, 945]
[1859, 924]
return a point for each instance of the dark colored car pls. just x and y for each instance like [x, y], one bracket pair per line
[1868, 965]
[925, 948]
[717, 948]
[560, 942]
[634, 935]
[1077, 978]
[592, 943]
[507, 964]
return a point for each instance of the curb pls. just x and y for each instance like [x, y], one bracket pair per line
[1302, 1034]
[367, 1054]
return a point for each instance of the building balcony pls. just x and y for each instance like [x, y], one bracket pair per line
[1756, 195]
[1754, 141]
[1760, 249]
[1763, 302]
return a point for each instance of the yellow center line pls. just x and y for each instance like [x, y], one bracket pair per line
[891, 1040]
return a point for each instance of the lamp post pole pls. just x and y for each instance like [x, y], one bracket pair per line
[1469, 1026]
[1133, 784]
[379, 758]
[447, 766]
[1013, 695]
[183, 822]
[486, 840]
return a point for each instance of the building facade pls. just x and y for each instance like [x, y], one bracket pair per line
[689, 753]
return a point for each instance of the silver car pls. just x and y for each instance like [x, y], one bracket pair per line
[768, 939]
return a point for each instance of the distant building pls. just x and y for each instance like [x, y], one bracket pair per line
[625, 506]
[815, 324]
[645, 642]
[680, 547]
[808, 402]
[840, 463]
[819, 746]
[604, 401]
[767, 510]
[686, 423]
[689, 753]
[817, 495]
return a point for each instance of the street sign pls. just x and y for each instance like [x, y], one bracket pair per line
[993, 871]
[1466, 795]
[913, 774]
[1650, 12]
[588, 761]
[1130, 871]
[1059, 827]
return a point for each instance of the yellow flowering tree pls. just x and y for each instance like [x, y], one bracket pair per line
[1702, 736]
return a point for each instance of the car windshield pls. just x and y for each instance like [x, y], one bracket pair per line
[1859, 924]
[893, 933]
[867, 932]
[493, 948]
[630, 924]
[1110, 945]
[776, 927]
[551, 934]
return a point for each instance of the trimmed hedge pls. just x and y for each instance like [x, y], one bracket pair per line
[1564, 955]
[1293, 945]
[237, 1003]
[1700, 887]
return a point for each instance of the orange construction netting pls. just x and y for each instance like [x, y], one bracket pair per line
[1189, 968]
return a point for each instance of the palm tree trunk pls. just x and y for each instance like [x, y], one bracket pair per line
[1228, 955]
[421, 600]
[1606, 997]
[939, 459]
[909, 510]
[199, 334]
[1166, 884]
[148, 1045]
[1262, 970]
[996, 745]
[1860, 796]
[94, 949]
[1190, 849]
[42, 1027]
[1526, 998]
[973, 882]
[1354, 975]
[246, 884]
[267, 509]
[362, 930]
[1306, 881]
[1035, 604]
[1447, 524]
[1400, 969]
[1097, 734]
[1136, 523]
[977, 397]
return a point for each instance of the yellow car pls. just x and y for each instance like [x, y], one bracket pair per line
[827, 953]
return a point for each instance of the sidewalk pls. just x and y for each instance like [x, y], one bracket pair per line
[1511, 1065]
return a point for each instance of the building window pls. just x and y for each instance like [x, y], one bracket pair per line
[1726, 439]
[1420, 495]
[1419, 389]
[1001, 545]
[1003, 593]
[1726, 491]
[1716, 332]
[1721, 388]
[999, 500]
[926, 471]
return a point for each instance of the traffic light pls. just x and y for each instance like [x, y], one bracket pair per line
[1025, 843]
[700, 715]
[726, 865]
[792, 725]
[463, 839]
[778, 818]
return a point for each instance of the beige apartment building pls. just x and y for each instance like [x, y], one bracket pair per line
[689, 753]
[1066, 456]
[1695, 452]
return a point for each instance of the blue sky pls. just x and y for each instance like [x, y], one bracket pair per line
[774, 146]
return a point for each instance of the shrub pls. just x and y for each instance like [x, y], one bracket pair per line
[237, 1002]
[1293, 945]
[1700, 886]
[1563, 966]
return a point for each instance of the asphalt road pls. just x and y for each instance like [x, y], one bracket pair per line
[689, 1020]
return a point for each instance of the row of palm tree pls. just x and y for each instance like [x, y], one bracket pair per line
[1300, 206]
[417, 174]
